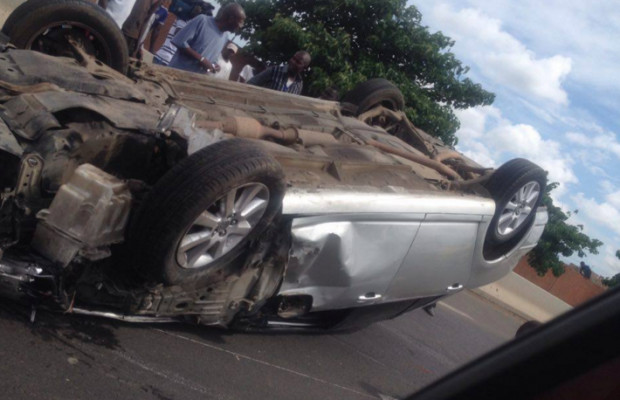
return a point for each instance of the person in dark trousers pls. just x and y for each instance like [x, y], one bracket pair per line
[585, 270]
[119, 10]
[285, 78]
[201, 41]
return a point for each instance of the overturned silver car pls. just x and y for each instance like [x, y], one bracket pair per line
[165, 195]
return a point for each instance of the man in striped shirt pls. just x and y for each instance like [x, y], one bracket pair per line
[285, 78]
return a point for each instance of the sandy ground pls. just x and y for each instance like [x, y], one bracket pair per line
[6, 6]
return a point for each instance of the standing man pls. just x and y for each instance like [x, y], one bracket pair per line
[167, 51]
[224, 61]
[285, 78]
[201, 41]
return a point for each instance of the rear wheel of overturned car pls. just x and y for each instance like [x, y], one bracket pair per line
[372, 93]
[204, 212]
[48, 25]
[517, 188]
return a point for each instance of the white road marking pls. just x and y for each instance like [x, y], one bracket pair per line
[238, 356]
[461, 313]
[179, 380]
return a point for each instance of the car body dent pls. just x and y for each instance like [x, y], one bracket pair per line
[359, 226]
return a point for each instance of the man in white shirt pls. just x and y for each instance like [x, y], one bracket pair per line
[224, 61]
[246, 73]
[119, 10]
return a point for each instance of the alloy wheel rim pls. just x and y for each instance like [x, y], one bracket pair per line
[518, 208]
[222, 225]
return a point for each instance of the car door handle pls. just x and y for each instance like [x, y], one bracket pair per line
[454, 288]
[370, 296]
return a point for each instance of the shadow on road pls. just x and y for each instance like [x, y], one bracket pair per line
[50, 326]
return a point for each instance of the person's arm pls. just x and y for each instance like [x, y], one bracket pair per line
[262, 79]
[206, 64]
[186, 36]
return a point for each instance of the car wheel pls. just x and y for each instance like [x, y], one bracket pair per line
[202, 214]
[517, 188]
[374, 92]
[45, 26]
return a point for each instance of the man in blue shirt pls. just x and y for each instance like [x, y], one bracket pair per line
[285, 78]
[200, 42]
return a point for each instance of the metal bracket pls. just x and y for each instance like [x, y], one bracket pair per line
[29, 179]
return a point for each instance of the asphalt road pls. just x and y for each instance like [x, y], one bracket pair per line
[76, 357]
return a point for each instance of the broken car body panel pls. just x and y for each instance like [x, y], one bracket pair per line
[368, 220]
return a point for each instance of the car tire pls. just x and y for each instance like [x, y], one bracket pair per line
[32, 24]
[190, 200]
[517, 188]
[374, 92]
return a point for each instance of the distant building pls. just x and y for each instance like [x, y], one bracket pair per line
[571, 286]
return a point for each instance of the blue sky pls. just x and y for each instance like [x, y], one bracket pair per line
[553, 66]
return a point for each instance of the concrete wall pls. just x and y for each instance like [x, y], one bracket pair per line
[524, 298]
[570, 287]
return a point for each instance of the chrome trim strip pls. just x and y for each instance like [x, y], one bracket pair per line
[122, 317]
[301, 201]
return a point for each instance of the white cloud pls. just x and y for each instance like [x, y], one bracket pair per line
[501, 57]
[606, 213]
[610, 265]
[608, 187]
[604, 142]
[485, 135]
[586, 32]
[614, 199]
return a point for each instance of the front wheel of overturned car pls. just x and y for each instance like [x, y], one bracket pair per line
[48, 26]
[517, 188]
[203, 214]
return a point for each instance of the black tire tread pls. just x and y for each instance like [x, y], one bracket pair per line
[18, 15]
[20, 25]
[504, 182]
[365, 94]
[224, 164]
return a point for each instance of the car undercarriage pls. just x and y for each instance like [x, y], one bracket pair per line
[164, 195]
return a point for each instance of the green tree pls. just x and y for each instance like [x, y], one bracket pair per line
[354, 40]
[559, 238]
[614, 280]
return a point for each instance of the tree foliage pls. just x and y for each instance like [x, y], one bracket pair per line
[559, 238]
[614, 280]
[354, 40]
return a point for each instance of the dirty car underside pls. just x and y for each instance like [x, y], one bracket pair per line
[168, 195]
